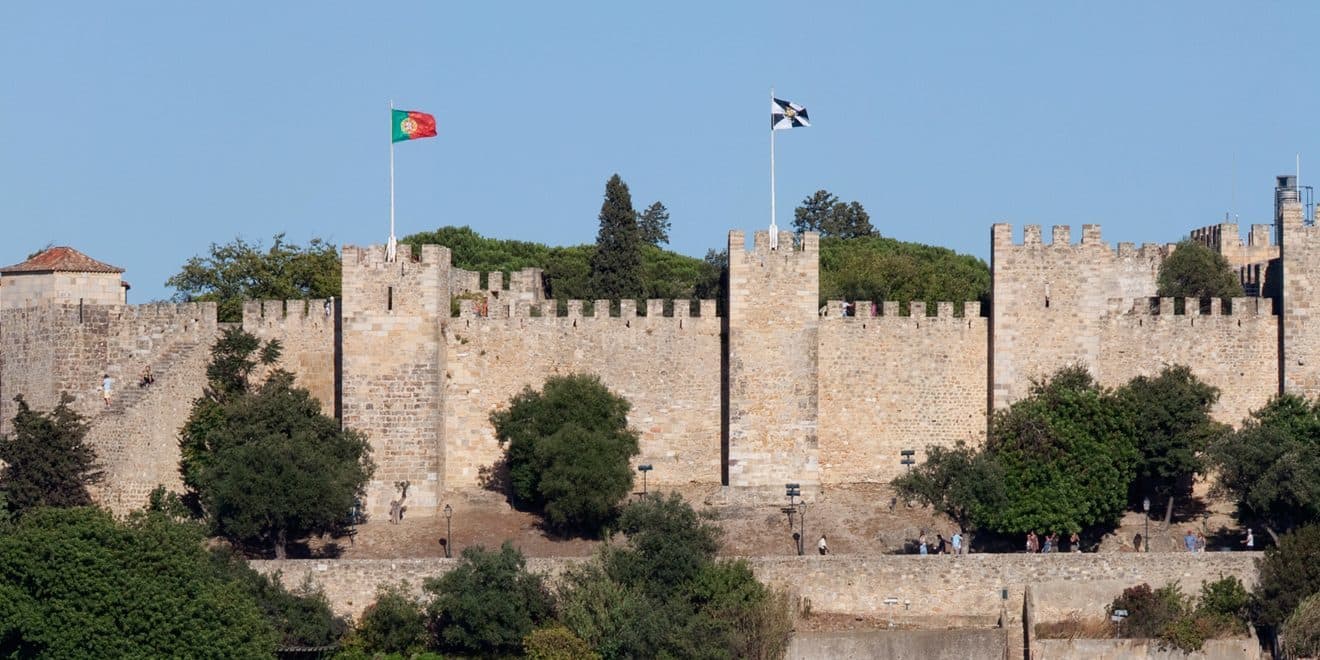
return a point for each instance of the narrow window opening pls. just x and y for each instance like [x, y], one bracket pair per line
[389, 298]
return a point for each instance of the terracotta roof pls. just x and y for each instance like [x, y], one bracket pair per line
[62, 260]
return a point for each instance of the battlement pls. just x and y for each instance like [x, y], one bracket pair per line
[807, 247]
[317, 311]
[1061, 238]
[892, 310]
[577, 309]
[1169, 307]
[374, 255]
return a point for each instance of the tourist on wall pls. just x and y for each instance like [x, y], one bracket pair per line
[1250, 542]
[1033, 543]
[940, 545]
[1075, 542]
[107, 383]
[921, 543]
[957, 542]
[1200, 542]
[1189, 541]
[821, 546]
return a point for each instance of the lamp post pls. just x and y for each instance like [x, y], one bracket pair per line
[449, 531]
[802, 528]
[793, 491]
[1145, 508]
[644, 469]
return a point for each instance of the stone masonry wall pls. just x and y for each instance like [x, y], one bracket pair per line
[30, 289]
[393, 363]
[772, 363]
[306, 332]
[1299, 364]
[1049, 300]
[668, 367]
[1232, 351]
[930, 591]
[890, 382]
[50, 349]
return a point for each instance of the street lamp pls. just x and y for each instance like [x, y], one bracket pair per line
[644, 469]
[1145, 507]
[908, 459]
[793, 491]
[449, 531]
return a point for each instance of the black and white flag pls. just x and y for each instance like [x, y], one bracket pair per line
[786, 114]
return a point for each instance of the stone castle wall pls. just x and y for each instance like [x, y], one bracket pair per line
[667, 367]
[929, 591]
[773, 335]
[306, 332]
[1232, 349]
[393, 365]
[49, 349]
[891, 382]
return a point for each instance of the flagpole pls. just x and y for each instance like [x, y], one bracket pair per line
[774, 228]
[391, 248]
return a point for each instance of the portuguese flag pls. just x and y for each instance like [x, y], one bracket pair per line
[411, 125]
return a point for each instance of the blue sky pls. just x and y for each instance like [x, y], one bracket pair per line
[142, 132]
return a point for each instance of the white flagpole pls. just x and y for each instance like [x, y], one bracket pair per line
[391, 248]
[774, 228]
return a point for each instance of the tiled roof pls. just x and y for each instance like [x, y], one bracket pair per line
[60, 260]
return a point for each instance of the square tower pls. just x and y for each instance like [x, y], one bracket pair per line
[772, 354]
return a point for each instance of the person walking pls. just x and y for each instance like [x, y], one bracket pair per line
[921, 543]
[1049, 544]
[821, 546]
[1075, 542]
[107, 384]
[957, 542]
[1251, 541]
[1200, 541]
[940, 546]
[1189, 541]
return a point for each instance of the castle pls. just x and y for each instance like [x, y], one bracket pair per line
[418, 353]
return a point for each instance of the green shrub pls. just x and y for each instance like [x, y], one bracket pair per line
[1301, 632]
[1289, 572]
[394, 623]
[1149, 611]
[488, 603]
[556, 643]
[568, 451]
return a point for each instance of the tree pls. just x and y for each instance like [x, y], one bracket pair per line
[568, 451]
[653, 223]
[823, 212]
[616, 266]
[664, 594]
[960, 482]
[1301, 632]
[488, 603]
[1196, 271]
[1272, 464]
[1289, 573]
[1067, 456]
[394, 623]
[556, 643]
[262, 461]
[239, 271]
[46, 462]
[76, 583]
[878, 268]
[1170, 419]
[714, 282]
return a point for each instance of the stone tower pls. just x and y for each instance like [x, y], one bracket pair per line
[393, 366]
[1299, 327]
[772, 356]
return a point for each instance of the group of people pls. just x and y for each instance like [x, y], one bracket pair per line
[1051, 543]
[953, 546]
[108, 384]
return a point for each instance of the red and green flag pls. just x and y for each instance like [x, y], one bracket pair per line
[411, 125]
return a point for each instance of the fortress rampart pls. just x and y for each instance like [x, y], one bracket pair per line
[418, 354]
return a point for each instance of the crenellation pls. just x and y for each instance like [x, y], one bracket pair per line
[682, 308]
[889, 308]
[655, 308]
[628, 309]
[972, 309]
[916, 309]
[864, 309]
[600, 309]
[1127, 250]
[1031, 236]
[944, 310]
[1061, 236]
[1151, 251]
[574, 309]
[1091, 235]
[707, 308]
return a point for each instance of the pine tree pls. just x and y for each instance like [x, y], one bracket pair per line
[616, 266]
[653, 223]
[47, 462]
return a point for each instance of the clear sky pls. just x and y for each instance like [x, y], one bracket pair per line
[142, 132]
